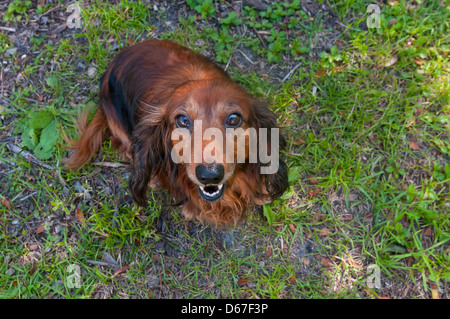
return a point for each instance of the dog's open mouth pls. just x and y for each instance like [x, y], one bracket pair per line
[211, 193]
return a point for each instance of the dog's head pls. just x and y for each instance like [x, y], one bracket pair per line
[212, 132]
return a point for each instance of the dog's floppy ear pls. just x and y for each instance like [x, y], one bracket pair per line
[151, 155]
[276, 182]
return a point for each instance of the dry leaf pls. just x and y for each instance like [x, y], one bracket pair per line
[414, 145]
[269, 251]
[312, 180]
[292, 279]
[352, 196]
[40, 229]
[435, 292]
[418, 62]
[6, 203]
[391, 62]
[292, 228]
[33, 246]
[392, 21]
[324, 232]
[346, 217]
[428, 232]
[305, 261]
[80, 215]
[313, 192]
[298, 142]
[32, 270]
[325, 261]
[121, 270]
[321, 72]
[243, 281]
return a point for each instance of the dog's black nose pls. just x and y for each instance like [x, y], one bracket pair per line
[212, 174]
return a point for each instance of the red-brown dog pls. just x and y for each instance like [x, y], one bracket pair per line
[155, 87]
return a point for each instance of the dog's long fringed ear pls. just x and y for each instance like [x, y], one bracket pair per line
[275, 182]
[149, 155]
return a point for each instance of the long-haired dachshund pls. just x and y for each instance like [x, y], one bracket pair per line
[155, 87]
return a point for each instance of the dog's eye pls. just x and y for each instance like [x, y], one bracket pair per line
[234, 120]
[182, 121]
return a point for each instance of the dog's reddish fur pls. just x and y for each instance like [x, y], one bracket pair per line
[140, 93]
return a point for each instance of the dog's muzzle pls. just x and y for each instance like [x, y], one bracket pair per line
[211, 177]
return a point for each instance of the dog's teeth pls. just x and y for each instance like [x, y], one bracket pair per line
[219, 188]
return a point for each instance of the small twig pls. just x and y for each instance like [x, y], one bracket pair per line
[291, 71]
[99, 263]
[58, 172]
[108, 261]
[28, 156]
[240, 67]
[8, 29]
[237, 45]
[248, 59]
[24, 198]
[260, 39]
[60, 6]
[110, 164]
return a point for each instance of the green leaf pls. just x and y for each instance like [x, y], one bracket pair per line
[447, 170]
[50, 134]
[396, 249]
[294, 172]
[39, 120]
[43, 151]
[232, 18]
[268, 212]
[29, 138]
[52, 81]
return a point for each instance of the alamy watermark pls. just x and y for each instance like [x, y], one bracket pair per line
[235, 151]
[374, 279]
[74, 19]
[73, 279]
[373, 20]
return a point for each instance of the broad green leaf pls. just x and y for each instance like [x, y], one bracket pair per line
[50, 134]
[294, 173]
[268, 212]
[39, 120]
[29, 138]
[43, 151]
[52, 81]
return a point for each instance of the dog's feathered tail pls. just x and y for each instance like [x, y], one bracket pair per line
[92, 136]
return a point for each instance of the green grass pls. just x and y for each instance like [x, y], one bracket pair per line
[367, 120]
